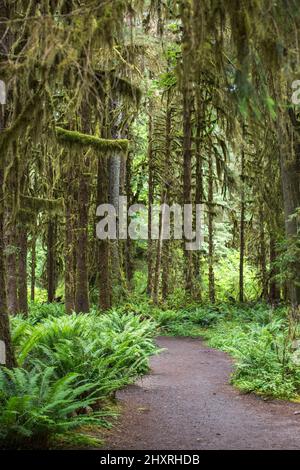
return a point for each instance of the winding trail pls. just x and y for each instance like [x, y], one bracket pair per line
[186, 402]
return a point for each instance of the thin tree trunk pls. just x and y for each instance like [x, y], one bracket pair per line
[211, 274]
[69, 262]
[82, 285]
[128, 243]
[11, 250]
[263, 262]
[33, 267]
[167, 180]
[22, 279]
[187, 129]
[242, 229]
[51, 274]
[105, 294]
[274, 291]
[199, 188]
[150, 248]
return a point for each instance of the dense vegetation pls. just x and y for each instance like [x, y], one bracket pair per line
[164, 102]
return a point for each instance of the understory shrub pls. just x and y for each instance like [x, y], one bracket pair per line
[68, 364]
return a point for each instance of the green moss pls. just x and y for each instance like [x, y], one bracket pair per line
[77, 138]
[35, 204]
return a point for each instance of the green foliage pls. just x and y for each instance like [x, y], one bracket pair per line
[36, 405]
[69, 363]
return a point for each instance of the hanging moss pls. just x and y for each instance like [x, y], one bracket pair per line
[35, 205]
[83, 140]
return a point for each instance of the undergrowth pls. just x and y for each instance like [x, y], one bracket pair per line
[68, 366]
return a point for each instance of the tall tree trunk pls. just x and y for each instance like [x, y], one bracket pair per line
[114, 193]
[210, 200]
[11, 251]
[128, 243]
[150, 247]
[51, 260]
[69, 251]
[242, 229]
[167, 183]
[187, 129]
[82, 285]
[199, 197]
[33, 267]
[289, 138]
[274, 291]
[105, 294]
[22, 279]
[5, 335]
[262, 254]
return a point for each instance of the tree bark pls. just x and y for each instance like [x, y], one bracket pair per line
[150, 247]
[210, 200]
[69, 251]
[242, 229]
[51, 274]
[187, 129]
[82, 285]
[22, 279]
[33, 267]
[105, 295]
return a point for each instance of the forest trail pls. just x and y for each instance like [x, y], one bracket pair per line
[186, 402]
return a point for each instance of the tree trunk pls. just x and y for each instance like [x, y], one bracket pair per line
[274, 291]
[129, 254]
[167, 183]
[150, 247]
[69, 251]
[103, 245]
[263, 263]
[242, 229]
[33, 267]
[51, 274]
[5, 335]
[82, 285]
[199, 197]
[187, 129]
[22, 279]
[211, 274]
[11, 251]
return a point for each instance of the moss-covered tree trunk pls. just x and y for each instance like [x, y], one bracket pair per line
[210, 200]
[242, 229]
[199, 196]
[289, 138]
[129, 267]
[262, 254]
[167, 184]
[105, 294]
[82, 285]
[274, 290]
[51, 260]
[33, 267]
[11, 256]
[69, 251]
[187, 96]
[150, 244]
[22, 264]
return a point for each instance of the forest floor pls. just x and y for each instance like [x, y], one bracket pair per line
[186, 402]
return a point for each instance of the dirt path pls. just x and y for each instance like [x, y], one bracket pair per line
[187, 403]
